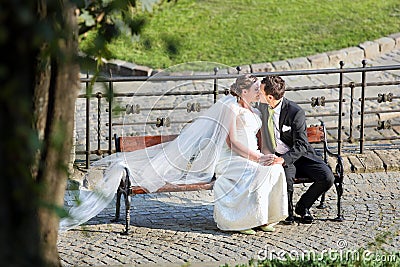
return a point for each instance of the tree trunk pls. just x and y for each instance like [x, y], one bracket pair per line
[55, 120]
[39, 81]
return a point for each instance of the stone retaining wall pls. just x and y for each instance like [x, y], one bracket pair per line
[371, 161]
[352, 56]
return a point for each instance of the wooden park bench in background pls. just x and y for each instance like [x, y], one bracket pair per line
[316, 134]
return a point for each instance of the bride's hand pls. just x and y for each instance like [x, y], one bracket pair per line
[267, 159]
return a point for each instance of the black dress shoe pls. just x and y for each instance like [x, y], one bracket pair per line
[306, 217]
[289, 220]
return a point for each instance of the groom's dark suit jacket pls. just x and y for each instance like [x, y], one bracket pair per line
[292, 128]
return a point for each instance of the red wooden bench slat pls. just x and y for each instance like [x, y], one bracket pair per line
[315, 134]
[132, 143]
[137, 190]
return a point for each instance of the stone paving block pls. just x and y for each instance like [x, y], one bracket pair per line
[375, 136]
[356, 164]
[232, 70]
[335, 57]
[385, 62]
[371, 49]
[396, 38]
[371, 161]
[386, 44]
[353, 55]
[390, 160]
[389, 134]
[245, 69]
[294, 96]
[376, 77]
[352, 77]
[347, 167]
[321, 80]
[262, 67]
[319, 61]
[300, 63]
[281, 65]
[295, 81]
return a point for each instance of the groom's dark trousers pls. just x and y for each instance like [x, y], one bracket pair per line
[318, 171]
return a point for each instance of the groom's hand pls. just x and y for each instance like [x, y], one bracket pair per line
[267, 159]
[279, 160]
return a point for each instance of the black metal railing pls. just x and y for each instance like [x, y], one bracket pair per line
[342, 106]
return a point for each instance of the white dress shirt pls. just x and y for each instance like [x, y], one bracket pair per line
[281, 147]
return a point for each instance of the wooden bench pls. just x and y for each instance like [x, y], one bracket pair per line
[316, 134]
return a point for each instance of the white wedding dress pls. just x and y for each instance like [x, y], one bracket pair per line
[248, 194]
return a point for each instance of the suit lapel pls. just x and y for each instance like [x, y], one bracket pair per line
[284, 113]
[265, 138]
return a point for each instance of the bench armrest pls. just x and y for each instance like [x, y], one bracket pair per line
[339, 160]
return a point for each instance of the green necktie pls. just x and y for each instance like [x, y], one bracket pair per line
[271, 127]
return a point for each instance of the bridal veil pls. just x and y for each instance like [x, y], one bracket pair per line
[190, 158]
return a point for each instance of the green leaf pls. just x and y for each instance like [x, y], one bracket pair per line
[89, 20]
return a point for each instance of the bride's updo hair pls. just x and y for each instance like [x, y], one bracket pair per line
[242, 82]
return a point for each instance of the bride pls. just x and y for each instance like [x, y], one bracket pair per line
[247, 194]
[223, 142]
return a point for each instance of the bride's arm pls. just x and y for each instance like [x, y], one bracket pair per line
[237, 146]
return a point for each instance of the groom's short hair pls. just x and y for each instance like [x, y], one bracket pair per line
[274, 85]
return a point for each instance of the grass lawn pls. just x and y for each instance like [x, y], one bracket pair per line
[234, 32]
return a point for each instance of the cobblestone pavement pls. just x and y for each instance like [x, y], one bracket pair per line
[163, 231]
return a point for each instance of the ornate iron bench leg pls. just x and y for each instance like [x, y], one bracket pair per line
[127, 213]
[120, 191]
[339, 190]
[126, 192]
[117, 205]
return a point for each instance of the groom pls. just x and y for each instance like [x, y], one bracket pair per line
[284, 134]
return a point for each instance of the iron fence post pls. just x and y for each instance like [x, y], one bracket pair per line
[239, 69]
[110, 100]
[340, 109]
[216, 69]
[87, 152]
[99, 96]
[362, 99]
[351, 139]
